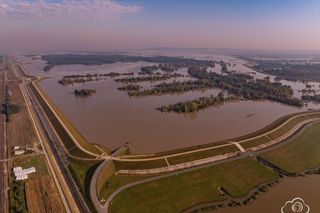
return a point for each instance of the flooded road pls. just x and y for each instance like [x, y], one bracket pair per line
[111, 118]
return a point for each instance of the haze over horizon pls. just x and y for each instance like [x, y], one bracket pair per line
[41, 25]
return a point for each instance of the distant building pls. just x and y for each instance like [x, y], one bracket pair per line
[16, 148]
[36, 56]
[22, 174]
[19, 152]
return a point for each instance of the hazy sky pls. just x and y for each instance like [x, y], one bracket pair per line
[120, 24]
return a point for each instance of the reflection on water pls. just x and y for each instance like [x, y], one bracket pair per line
[111, 118]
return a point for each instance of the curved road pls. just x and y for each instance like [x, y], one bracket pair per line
[292, 132]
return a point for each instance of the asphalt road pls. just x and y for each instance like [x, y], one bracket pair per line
[93, 183]
[3, 154]
[55, 145]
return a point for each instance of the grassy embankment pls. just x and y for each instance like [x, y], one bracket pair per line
[279, 132]
[172, 194]
[302, 153]
[82, 172]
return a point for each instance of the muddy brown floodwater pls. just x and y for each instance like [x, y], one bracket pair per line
[111, 118]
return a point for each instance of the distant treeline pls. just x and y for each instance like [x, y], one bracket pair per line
[197, 104]
[315, 98]
[289, 71]
[98, 59]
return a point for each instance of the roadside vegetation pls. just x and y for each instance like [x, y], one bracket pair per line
[82, 172]
[18, 198]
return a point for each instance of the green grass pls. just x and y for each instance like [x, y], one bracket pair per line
[203, 154]
[255, 142]
[175, 193]
[77, 152]
[82, 172]
[140, 164]
[116, 181]
[37, 161]
[302, 153]
[287, 127]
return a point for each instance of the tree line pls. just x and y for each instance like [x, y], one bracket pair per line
[197, 104]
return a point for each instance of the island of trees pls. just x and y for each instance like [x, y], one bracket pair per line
[130, 87]
[84, 92]
[83, 78]
[314, 98]
[151, 78]
[174, 87]
[242, 85]
[197, 104]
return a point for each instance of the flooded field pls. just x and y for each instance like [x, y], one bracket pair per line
[112, 118]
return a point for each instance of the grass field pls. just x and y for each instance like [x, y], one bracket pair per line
[140, 164]
[173, 194]
[38, 161]
[287, 127]
[75, 151]
[116, 181]
[302, 153]
[255, 142]
[203, 154]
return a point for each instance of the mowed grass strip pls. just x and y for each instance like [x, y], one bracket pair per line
[202, 154]
[287, 127]
[191, 148]
[175, 193]
[255, 142]
[75, 151]
[133, 165]
[302, 153]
